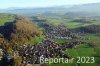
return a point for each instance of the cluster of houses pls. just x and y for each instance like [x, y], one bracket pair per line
[48, 49]
[61, 32]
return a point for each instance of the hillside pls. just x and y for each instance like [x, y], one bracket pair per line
[91, 29]
[14, 34]
[18, 32]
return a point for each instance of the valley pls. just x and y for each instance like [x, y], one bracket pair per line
[26, 34]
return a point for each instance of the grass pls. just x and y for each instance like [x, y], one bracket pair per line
[69, 22]
[97, 50]
[81, 52]
[4, 18]
[93, 38]
[85, 51]
[62, 64]
[64, 40]
[60, 40]
[36, 39]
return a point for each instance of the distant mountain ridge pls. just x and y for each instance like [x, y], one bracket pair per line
[84, 10]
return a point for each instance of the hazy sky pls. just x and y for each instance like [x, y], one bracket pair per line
[41, 3]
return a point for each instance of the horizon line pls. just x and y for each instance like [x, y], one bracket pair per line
[46, 6]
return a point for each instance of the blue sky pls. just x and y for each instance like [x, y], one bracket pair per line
[42, 3]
